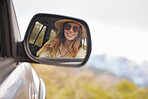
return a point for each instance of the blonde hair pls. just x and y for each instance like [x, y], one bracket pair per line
[54, 45]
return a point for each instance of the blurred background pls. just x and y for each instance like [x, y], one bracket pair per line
[118, 65]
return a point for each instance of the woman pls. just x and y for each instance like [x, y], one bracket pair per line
[68, 41]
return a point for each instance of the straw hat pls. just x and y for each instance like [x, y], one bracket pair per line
[59, 25]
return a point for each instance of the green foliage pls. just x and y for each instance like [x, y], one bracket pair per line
[126, 87]
[61, 83]
[128, 90]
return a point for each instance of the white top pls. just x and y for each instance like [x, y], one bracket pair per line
[81, 53]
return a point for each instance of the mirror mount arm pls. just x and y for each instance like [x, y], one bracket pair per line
[21, 54]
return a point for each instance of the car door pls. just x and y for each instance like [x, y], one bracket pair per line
[7, 39]
[17, 80]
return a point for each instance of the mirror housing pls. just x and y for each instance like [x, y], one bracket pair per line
[48, 21]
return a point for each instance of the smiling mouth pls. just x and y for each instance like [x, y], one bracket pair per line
[70, 35]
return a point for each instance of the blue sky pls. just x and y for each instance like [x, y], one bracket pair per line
[118, 27]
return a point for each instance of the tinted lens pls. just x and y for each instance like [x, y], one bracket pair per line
[75, 29]
[67, 27]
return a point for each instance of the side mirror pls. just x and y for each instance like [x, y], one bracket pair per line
[58, 40]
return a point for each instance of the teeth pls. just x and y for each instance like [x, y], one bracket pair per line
[69, 34]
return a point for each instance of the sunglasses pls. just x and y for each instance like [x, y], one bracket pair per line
[75, 28]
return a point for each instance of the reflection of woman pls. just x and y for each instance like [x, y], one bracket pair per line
[68, 41]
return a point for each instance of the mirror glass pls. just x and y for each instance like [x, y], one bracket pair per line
[58, 37]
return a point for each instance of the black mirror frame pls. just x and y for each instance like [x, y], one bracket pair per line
[52, 61]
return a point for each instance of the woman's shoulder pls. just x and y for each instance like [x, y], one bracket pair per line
[45, 54]
[81, 53]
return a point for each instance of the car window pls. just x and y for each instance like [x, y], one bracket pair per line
[37, 34]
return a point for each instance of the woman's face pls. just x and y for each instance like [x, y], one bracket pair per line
[71, 31]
